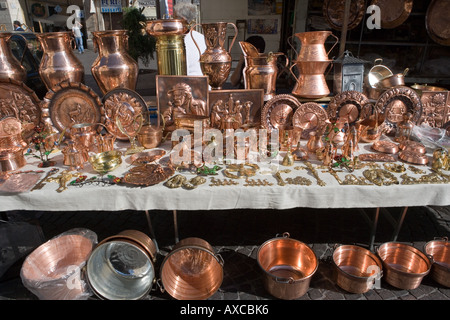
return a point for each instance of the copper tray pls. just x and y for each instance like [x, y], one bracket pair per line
[70, 103]
[347, 105]
[19, 101]
[413, 157]
[393, 12]
[333, 11]
[148, 174]
[147, 156]
[385, 146]
[277, 113]
[395, 102]
[309, 117]
[437, 21]
[126, 105]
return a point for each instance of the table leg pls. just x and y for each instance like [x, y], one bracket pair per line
[374, 229]
[399, 224]
[152, 233]
[175, 225]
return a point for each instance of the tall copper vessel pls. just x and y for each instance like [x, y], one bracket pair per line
[261, 70]
[311, 82]
[215, 61]
[10, 67]
[59, 63]
[170, 48]
[313, 45]
[114, 67]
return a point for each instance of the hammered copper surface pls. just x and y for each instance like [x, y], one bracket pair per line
[393, 12]
[312, 45]
[334, 11]
[148, 174]
[191, 271]
[347, 106]
[403, 265]
[278, 112]
[311, 85]
[414, 157]
[439, 250]
[147, 156]
[10, 67]
[355, 267]
[385, 146]
[437, 21]
[413, 146]
[309, 116]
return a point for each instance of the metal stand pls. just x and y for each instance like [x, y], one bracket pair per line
[152, 234]
[175, 225]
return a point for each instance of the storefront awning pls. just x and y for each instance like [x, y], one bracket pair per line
[56, 20]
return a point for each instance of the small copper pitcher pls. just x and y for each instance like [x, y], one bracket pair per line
[10, 67]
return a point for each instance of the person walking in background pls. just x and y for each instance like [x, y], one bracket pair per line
[17, 26]
[76, 29]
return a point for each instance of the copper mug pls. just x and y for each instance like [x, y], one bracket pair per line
[10, 68]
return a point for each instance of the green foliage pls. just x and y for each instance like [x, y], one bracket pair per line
[140, 44]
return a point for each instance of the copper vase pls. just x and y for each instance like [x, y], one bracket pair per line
[114, 67]
[10, 67]
[313, 45]
[59, 63]
[215, 61]
[311, 82]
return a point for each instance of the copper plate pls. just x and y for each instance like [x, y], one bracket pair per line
[437, 21]
[393, 12]
[397, 101]
[413, 157]
[278, 112]
[19, 101]
[413, 146]
[309, 116]
[147, 156]
[126, 105]
[347, 105]
[148, 174]
[70, 103]
[385, 146]
[333, 11]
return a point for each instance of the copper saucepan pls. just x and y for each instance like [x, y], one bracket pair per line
[377, 73]
[439, 249]
[394, 80]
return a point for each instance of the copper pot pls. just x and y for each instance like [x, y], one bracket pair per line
[10, 67]
[404, 266]
[83, 135]
[377, 73]
[394, 80]
[59, 63]
[311, 82]
[287, 265]
[313, 45]
[114, 67]
[192, 271]
[439, 250]
[356, 268]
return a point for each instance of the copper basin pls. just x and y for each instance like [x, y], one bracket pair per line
[439, 250]
[167, 27]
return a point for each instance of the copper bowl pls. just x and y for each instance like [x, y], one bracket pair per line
[357, 268]
[163, 27]
[47, 271]
[288, 266]
[192, 271]
[404, 266]
[439, 250]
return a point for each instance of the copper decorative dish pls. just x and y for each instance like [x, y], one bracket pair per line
[395, 102]
[347, 105]
[393, 12]
[309, 117]
[126, 105]
[333, 11]
[148, 174]
[70, 103]
[437, 21]
[413, 157]
[147, 156]
[413, 146]
[385, 146]
[277, 113]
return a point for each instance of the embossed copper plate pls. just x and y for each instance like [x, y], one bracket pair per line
[385, 146]
[70, 103]
[333, 11]
[413, 157]
[393, 12]
[437, 21]
[148, 174]
[413, 146]
[347, 105]
[19, 101]
[278, 112]
[309, 116]
[125, 104]
[395, 102]
[147, 156]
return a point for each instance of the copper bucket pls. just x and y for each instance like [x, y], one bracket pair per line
[288, 266]
[404, 266]
[356, 268]
[10, 68]
[439, 250]
[192, 271]
[49, 271]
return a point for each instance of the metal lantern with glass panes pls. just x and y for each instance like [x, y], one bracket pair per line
[348, 73]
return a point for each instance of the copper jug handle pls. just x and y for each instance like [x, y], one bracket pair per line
[198, 48]
[334, 45]
[235, 36]
[292, 45]
[293, 74]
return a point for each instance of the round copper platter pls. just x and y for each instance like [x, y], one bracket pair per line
[395, 102]
[277, 113]
[413, 157]
[437, 21]
[70, 103]
[126, 105]
[19, 101]
[413, 146]
[147, 156]
[385, 147]
[393, 12]
[309, 117]
[333, 11]
[148, 174]
[347, 105]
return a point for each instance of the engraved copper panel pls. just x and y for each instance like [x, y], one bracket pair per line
[309, 117]
[277, 113]
[393, 12]
[437, 21]
[435, 109]
[347, 105]
[333, 11]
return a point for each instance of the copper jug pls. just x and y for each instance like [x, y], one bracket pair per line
[311, 82]
[215, 61]
[114, 67]
[10, 67]
[59, 63]
[260, 71]
[313, 45]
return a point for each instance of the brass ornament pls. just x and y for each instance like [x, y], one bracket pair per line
[63, 179]
[179, 180]
[243, 170]
[135, 120]
[376, 157]
[42, 182]
[314, 172]
[222, 182]
[380, 177]
[394, 167]
[302, 181]
[257, 183]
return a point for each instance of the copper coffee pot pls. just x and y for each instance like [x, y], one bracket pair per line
[10, 67]
[59, 63]
[114, 67]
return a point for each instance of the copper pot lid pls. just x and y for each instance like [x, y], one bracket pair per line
[413, 146]
[277, 113]
[385, 147]
[333, 11]
[413, 157]
[437, 21]
[309, 117]
[347, 106]
[393, 12]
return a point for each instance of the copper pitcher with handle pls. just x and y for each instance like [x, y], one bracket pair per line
[313, 45]
[114, 67]
[311, 82]
[10, 67]
[215, 61]
[59, 63]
